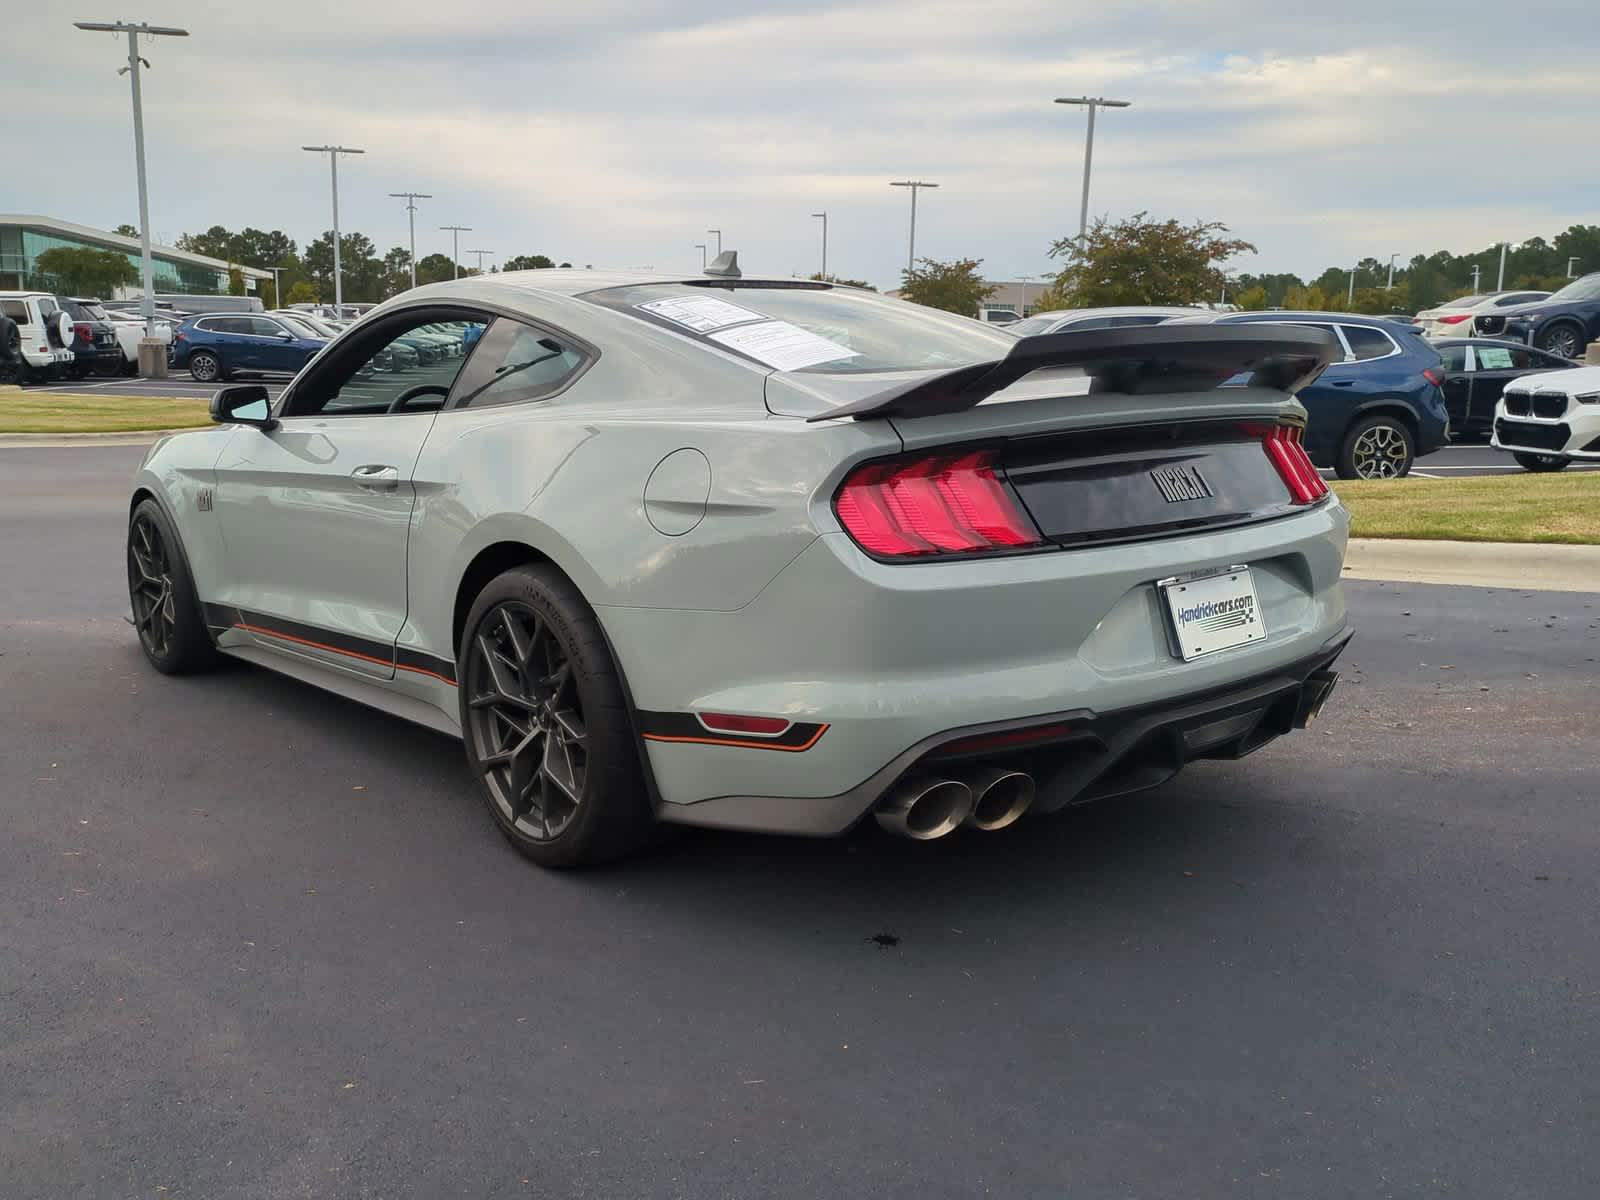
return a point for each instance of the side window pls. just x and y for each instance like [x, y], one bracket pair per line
[226, 324]
[17, 310]
[515, 362]
[1087, 323]
[264, 327]
[367, 376]
[1366, 342]
[1455, 357]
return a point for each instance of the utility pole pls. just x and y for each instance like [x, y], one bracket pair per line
[718, 232]
[411, 199]
[1350, 300]
[1389, 287]
[701, 246]
[333, 153]
[147, 264]
[277, 288]
[1022, 308]
[1476, 271]
[1500, 283]
[455, 247]
[1570, 263]
[480, 254]
[914, 185]
[824, 217]
[1091, 103]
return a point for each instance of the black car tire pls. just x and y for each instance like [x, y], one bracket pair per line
[167, 616]
[1562, 338]
[1541, 462]
[206, 367]
[1382, 437]
[558, 632]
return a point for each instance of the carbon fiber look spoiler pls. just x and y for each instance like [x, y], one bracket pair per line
[1136, 360]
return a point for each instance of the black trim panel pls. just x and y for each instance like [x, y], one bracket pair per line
[686, 727]
[220, 616]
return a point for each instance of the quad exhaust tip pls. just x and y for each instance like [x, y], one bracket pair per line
[999, 796]
[924, 807]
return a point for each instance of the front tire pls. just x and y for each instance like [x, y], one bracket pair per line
[545, 723]
[1376, 447]
[166, 614]
[1565, 340]
[206, 367]
[1539, 463]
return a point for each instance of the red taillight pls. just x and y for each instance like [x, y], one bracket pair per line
[1433, 376]
[180, 336]
[1282, 444]
[1455, 320]
[947, 504]
[735, 723]
[82, 330]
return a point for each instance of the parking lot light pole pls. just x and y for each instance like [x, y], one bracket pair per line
[1350, 300]
[1500, 280]
[701, 246]
[411, 199]
[147, 264]
[277, 288]
[718, 232]
[1571, 262]
[1389, 287]
[824, 217]
[455, 247]
[480, 254]
[1091, 103]
[915, 185]
[333, 153]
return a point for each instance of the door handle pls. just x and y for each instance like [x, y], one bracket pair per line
[376, 478]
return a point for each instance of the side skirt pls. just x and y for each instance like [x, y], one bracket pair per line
[373, 695]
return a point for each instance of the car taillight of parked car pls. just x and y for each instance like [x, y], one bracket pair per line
[1455, 320]
[82, 330]
[939, 505]
[1433, 376]
[1294, 465]
[180, 336]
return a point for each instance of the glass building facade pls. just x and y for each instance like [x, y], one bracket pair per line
[21, 245]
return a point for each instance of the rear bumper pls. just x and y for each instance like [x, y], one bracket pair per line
[890, 660]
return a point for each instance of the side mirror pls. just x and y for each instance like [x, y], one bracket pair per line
[286, 337]
[243, 404]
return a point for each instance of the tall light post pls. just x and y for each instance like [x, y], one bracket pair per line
[718, 232]
[333, 153]
[1570, 263]
[147, 264]
[1476, 271]
[411, 199]
[1091, 103]
[1022, 309]
[701, 246]
[824, 217]
[1389, 287]
[1500, 281]
[277, 288]
[915, 185]
[1350, 300]
[480, 254]
[455, 247]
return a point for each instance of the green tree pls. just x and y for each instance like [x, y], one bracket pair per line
[1140, 261]
[396, 271]
[304, 292]
[1303, 299]
[527, 262]
[126, 230]
[235, 281]
[953, 286]
[1252, 299]
[855, 283]
[83, 271]
[565, 265]
[361, 269]
[434, 268]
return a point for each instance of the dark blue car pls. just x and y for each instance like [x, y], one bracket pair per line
[1563, 323]
[1378, 410]
[218, 345]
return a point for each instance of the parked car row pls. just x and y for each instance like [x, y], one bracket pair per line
[70, 336]
[215, 346]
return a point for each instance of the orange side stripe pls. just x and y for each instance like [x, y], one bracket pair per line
[382, 662]
[710, 741]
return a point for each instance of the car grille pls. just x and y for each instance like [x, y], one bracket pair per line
[1549, 405]
[1534, 437]
[1484, 325]
[1517, 404]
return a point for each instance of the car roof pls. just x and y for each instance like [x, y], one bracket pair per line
[1122, 310]
[1487, 341]
[574, 281]
[1335, 318]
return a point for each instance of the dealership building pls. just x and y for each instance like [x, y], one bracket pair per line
[23, 237]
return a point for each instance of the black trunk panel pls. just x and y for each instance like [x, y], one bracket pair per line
[1121, 485]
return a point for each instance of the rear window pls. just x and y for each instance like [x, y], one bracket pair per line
[1029, 326]
[17, 310]
[796, 327]
[1366, 342]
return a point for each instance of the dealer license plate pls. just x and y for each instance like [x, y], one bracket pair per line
[1214, 611]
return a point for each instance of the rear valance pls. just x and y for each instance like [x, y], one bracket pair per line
[1137, 360]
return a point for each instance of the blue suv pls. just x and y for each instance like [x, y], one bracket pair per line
[218, 345]
[1380, 409]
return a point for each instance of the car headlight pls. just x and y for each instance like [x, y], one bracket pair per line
[1588, 398]
[1527, 317]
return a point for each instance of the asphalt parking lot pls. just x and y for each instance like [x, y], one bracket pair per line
[258, 941]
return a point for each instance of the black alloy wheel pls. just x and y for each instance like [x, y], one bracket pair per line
[528, 731]
[1563, 340]
[548, 733]
[166, 615]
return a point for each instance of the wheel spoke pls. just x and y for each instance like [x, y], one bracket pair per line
[521, 641]
[492, 661]
[558, 768]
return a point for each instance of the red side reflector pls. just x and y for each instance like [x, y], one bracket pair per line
[1008, 739]
[734, 723]
[1294, 465]
[944, 504]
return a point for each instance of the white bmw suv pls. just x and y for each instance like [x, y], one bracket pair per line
[1547, 420]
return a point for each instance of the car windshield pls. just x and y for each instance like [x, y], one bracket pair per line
[322, 329]
[1587, 288]
[1029, 326]
[801, 327]
[302, 328]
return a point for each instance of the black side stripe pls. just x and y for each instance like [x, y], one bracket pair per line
[404, 658]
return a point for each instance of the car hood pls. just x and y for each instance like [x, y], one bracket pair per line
[1518, 310]
[1576, 381]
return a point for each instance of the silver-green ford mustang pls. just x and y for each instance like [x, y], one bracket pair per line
[764, 554]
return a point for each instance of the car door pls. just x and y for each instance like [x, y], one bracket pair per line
[1495, 367]
[315, 513]
[272, 345]
[233, 342]
[1457, 387]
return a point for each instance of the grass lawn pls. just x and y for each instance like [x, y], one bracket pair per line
[68, 412]
[1513, 507]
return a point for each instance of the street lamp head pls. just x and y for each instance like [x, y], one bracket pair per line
[911, 183]
[820, 214]
[132, 27]
[1098, 101]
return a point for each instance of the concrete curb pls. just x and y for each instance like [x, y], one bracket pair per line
[1514, 566]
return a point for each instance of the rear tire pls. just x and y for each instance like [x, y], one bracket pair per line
[1376, 447]
[1563, 339]
[206, 367]
[545, 723]
[172, 630]
[1540, 463]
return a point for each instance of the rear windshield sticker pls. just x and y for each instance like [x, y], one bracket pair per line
[782, 346]
[700, 313]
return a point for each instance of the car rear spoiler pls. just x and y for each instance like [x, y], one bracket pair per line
[1137, 360]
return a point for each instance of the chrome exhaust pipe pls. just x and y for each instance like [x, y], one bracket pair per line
[1314, 694]
[999, 796]
[924, 807]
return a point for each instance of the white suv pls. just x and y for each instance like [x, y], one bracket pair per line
[44, 333]
[1549, 419]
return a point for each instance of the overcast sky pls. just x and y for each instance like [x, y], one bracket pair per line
[617, 133]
